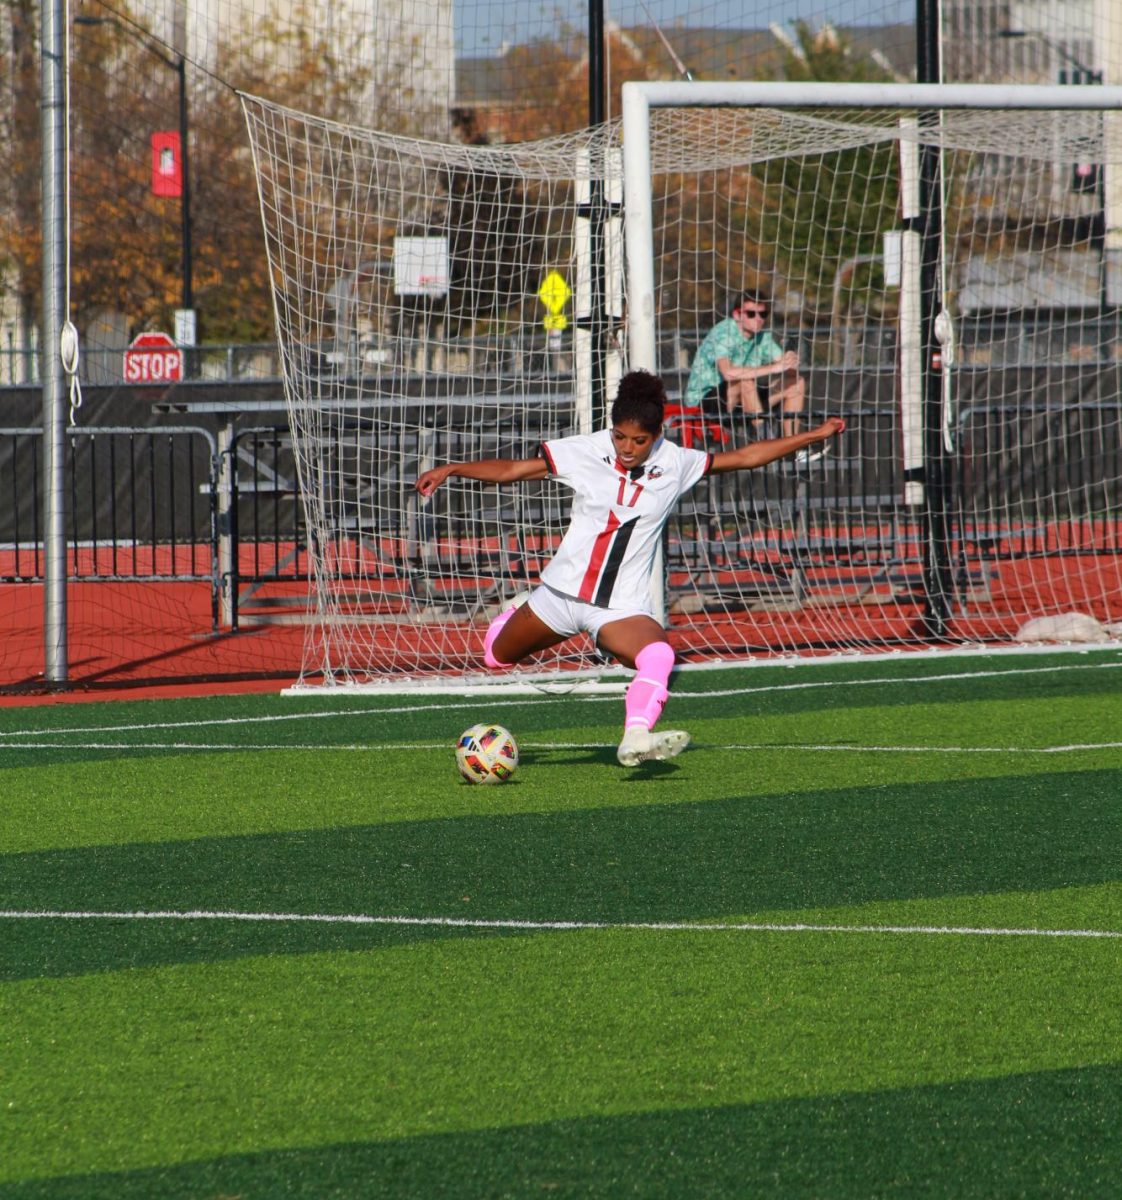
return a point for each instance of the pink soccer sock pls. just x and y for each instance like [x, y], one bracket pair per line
[647, 692]
[493, 631]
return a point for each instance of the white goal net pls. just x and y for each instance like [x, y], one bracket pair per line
[949, 277]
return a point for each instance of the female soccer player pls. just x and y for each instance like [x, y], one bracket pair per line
[626, 482]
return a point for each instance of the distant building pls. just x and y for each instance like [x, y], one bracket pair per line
[406, 47]
[493, 94]
[1076, 43]
[1023, 41]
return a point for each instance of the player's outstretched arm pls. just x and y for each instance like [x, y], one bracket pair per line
[759, 454]
[488, 470]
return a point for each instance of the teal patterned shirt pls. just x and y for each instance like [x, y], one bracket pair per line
[725, 340]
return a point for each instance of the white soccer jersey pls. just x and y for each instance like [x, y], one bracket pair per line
[607, 554]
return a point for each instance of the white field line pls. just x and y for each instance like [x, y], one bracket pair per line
[677, 693]
[229, 747]
[548, 926]
[372, 747]
[915, 681]
[855, 748]
[277, 718]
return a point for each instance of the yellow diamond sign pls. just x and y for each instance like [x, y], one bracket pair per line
[554, 292]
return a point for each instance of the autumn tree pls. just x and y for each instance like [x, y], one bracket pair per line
[234, 291]
[785, 223]
[542, 87]
[20, 237]
[125, 250]
[823, 211]
[125, 253]
[507, 232]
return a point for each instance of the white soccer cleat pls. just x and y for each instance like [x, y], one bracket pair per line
[643, 745]
[668, 744]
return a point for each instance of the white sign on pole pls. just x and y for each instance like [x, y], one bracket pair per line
[893, 257]
[420, 266]
[185, 327]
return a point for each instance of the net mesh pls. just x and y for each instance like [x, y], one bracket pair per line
[473, 72]
[394, 363]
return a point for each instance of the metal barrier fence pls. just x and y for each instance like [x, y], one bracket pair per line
[785, 531]
[141, 505]
[985, 341]
[152, 504]
[1027, 481]
[1040, 479]
[263, 534]
[175, 502]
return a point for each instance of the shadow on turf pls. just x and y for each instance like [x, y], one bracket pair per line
[44, 949]
[13, 756]
[643, 773]
[1049, 1134]
[659, 862]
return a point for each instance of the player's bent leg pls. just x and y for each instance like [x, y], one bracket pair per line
[493, 630]
[748, 398]
[648, 691]
[516, 634]
[646, 696]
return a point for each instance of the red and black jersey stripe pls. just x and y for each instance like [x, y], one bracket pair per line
[607, 557]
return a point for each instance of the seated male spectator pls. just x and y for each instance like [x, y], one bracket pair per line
[736, 366]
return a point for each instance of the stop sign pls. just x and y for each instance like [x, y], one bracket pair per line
[153, 358]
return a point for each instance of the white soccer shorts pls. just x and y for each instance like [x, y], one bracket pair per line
[567, 616]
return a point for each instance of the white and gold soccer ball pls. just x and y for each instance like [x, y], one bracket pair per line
[487, 753]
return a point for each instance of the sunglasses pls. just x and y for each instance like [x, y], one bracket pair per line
[754, 312]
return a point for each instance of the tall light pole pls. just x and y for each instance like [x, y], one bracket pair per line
[178, 64]
[54, 128]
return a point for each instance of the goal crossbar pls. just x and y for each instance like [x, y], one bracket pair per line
[638, 98]
[868, 95]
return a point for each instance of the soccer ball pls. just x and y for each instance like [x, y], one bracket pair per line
[486, 753]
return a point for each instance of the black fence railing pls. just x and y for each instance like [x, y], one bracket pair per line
[985, 341]
[1040, 479]
[141, 505]
[787, 530]
[1026, 481]
[175, 502]
[264, 537]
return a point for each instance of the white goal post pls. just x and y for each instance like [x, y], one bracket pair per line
[934, 254]
[925, 323]
[640, 98]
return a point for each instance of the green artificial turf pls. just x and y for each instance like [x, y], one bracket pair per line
[1052, 1133]
[225, 1057]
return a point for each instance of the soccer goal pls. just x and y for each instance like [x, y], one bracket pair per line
[946, 261]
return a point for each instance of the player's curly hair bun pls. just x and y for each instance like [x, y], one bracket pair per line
[641, 398]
